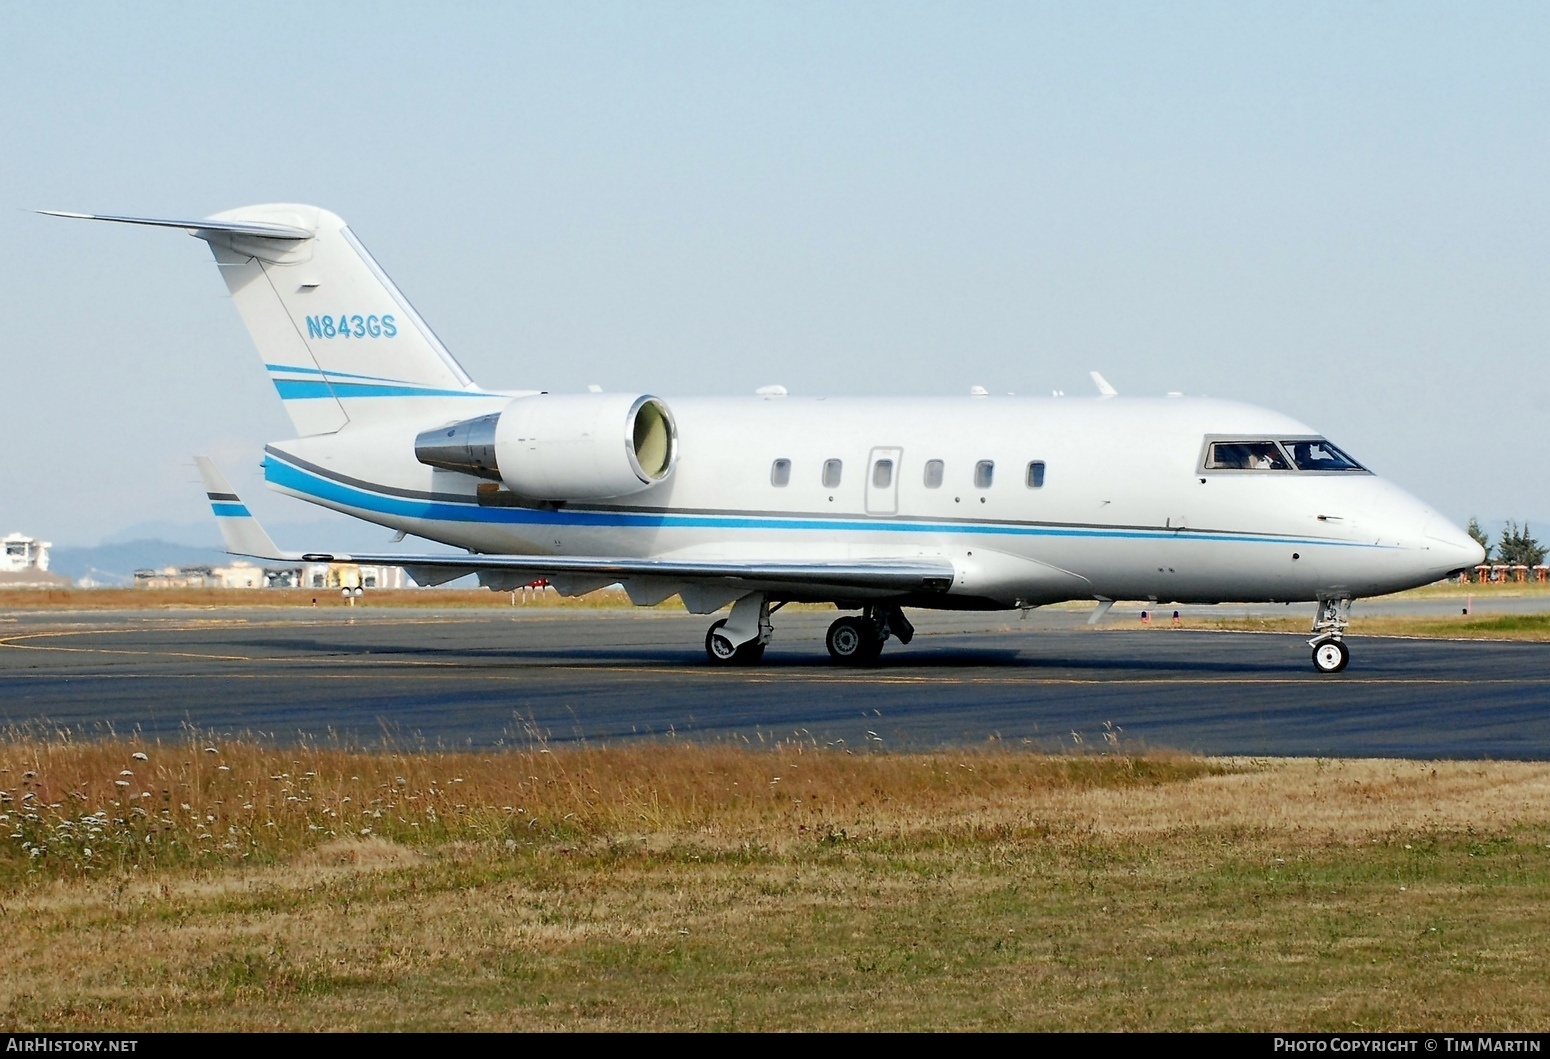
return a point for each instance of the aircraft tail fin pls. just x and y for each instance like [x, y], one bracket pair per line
[240, 530]
[340, 341]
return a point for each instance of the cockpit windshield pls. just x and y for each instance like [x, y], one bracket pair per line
[1320, 455]
[1264, 454]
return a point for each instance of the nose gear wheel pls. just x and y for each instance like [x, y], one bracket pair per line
[1330, 654]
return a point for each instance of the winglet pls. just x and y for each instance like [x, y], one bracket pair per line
[1104, 389]
[241, 531]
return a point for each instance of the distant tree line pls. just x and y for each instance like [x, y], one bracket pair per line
[1516, 548]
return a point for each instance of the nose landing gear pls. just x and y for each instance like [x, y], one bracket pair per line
[858, 641]
[1330, 654]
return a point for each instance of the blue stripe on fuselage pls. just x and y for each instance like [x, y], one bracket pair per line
[289, 476]
[302, 389]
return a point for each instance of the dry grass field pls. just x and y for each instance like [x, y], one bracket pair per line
[103, 599]
[195, 886]
[142, 598]
[1475, 590]
[1465, 627]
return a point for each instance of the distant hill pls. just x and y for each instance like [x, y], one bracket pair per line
[117, 563]
[152, 545]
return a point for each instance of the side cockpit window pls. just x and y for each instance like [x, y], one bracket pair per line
[1245, 456]
[1282, 454]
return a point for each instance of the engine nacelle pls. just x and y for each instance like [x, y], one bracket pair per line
[561, 446]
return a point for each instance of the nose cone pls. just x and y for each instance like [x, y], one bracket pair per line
[1452, 547]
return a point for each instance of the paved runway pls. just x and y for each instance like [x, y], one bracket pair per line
[483, 677]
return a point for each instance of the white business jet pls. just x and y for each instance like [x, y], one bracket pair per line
[874, 505]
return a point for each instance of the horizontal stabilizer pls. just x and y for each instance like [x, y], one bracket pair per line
[240, 530]
[262, 229]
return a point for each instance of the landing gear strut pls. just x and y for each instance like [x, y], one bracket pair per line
[1330, 654]
[723, 652]
[858, 641]
[854, 640]
[739, 638]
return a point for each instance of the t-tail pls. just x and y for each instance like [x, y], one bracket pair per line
[340, 341]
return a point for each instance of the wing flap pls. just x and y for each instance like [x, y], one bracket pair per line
[904, 574]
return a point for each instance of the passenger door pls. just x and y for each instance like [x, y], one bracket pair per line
[882, 481]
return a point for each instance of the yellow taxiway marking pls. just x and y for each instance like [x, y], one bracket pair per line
[14, 642]
[445, 671]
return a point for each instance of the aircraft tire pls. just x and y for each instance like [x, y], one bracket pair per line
[853, 642]
[1331, 656]
[721, 652]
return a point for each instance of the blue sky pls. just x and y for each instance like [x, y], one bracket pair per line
[1336, 210]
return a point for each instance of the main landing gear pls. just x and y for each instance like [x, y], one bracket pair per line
[854, 640]
[1330, 654]
[858, 641]
[722, 651]
[739, 638]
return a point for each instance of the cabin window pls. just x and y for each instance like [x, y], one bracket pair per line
[780, 473]
[882, 474]
[1036, 474]
[933, 474]
[831, 473]
[1246, 456]
[984, 473]
[1319, 455]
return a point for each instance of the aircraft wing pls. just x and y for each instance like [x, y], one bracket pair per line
[244, 536]
[902, 575]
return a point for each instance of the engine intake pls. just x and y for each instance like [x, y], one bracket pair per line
[561, 446]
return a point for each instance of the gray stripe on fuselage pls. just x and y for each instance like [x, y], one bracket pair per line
[466, 500]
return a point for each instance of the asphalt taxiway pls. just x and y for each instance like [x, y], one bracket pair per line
[483, 677]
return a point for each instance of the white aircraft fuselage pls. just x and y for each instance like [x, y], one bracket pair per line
[1125, 509]
[874, 504]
